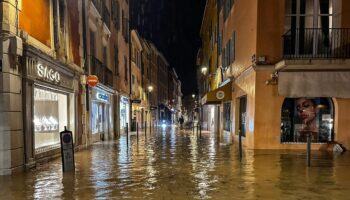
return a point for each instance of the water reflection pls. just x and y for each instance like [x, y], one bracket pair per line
[174, 164]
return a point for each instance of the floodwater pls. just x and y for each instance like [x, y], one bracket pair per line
[171, 164]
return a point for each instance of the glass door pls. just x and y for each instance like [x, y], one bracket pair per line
[309, 25]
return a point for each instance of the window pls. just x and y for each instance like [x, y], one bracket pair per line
[116, 14]
[302, 116]
[227, 7]
[105, 60]
[50, 117]
[92, 43]
[125, 69]
[309, 24]
[116, 60]
[232, 50]
[220, 43]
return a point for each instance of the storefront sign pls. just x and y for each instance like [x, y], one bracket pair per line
[48, 74]
[67, 150]
[220, 95]
[42, 70]
[124, 100]
[137, 101]
[102, 97]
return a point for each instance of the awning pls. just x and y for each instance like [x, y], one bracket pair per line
[314, 84]
[218, 95]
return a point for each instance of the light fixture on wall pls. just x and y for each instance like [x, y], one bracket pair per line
[273, 80]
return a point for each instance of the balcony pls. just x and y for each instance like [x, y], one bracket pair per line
[98, 5]
[105, 75]
[103, 11]
[316, 43]
[106, 16]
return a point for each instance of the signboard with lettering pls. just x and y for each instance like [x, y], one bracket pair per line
[40, 70]
[67, 150]
[102, 96]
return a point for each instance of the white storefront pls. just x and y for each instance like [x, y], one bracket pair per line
[101, 114]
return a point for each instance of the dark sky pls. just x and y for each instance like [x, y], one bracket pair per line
[175, 26]
[183, 49]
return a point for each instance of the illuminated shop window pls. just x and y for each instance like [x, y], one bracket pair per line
[50, 117]
[303, 116]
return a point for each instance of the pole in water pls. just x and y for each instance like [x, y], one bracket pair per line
[137, 131]
[145, 128]
[200, 130]
[308, 153]
[127, 134]
[240, 144]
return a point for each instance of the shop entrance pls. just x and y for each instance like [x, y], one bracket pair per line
[100, 121]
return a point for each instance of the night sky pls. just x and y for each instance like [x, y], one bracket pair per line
[175, 29]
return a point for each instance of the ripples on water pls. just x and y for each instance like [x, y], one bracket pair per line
[179, 165]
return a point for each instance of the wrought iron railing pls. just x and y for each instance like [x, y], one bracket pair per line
[105, 75]
[318, 43]
[106, 16]
[103, 10]
[98, 5]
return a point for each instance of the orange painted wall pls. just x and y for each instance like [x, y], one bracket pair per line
[345, 14]
[270, 29]
[242, 19]
[342, 121]
[34, 18]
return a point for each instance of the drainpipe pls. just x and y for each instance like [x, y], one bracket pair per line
[86, 70]
[85, 67]
[130, 67]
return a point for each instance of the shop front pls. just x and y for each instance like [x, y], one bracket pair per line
[212, 103]
[50, 92]
[124, 107]
[101, 114]
[299, 105]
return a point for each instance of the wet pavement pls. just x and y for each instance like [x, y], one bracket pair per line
[172, 164]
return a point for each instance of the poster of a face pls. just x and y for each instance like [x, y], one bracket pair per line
[303, 116]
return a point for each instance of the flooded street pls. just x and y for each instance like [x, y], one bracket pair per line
[179, 165]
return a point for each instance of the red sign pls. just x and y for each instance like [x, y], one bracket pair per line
[92, 80]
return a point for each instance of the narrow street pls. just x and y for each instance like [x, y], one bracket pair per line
[174, 164]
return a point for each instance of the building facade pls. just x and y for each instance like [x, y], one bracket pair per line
[136, 87]
[41, 66]
[275, 56]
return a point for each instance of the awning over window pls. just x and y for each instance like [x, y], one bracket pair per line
[219, 95]
[314, 84]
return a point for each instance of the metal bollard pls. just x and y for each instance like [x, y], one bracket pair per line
[308, 150]
[137, 131]
[145, 128]
[240, 144]
[127, 134]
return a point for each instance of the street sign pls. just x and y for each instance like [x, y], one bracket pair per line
[138, 101]
[92, 80]
[67, 150]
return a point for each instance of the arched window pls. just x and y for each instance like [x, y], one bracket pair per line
[303, 116]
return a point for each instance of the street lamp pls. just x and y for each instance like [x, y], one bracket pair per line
[150, 88]
[204, 70]
[193, 96]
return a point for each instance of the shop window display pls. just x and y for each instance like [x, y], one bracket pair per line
[50, 117]
[303, 116]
